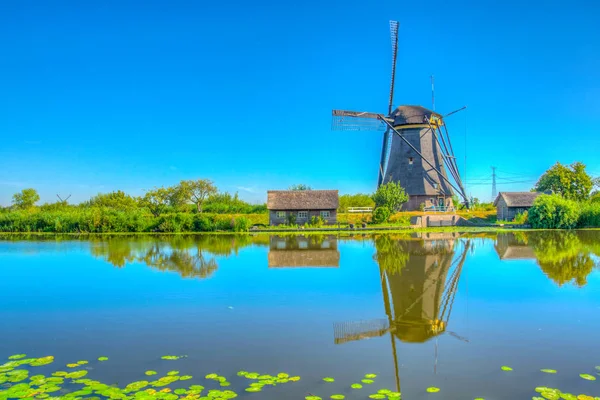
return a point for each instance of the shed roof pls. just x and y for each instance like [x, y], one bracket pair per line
[302, 199]
[517, 199]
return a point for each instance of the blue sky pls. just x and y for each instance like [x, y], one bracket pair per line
[99, 96]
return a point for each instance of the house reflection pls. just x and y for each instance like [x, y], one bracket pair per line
[512, 247]
[303, 251]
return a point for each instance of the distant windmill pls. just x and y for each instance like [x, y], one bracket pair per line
[416, 147]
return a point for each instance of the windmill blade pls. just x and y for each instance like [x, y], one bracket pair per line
[344, 120]
[386, 137]
[344, 332]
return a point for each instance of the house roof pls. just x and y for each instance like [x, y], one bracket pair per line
[302, 199]
[517, 199]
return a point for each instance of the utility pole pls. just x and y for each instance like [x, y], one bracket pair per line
[494, 191]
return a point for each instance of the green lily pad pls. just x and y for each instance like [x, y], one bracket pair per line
[171, 357]
[337, 396]
[329, 379]
[371, 376]
[38, 362]
[253, 389]
[393, 395]
[252, 375]
[211, 376]
[294, 378]
[103, 358]
[149, 373]
[433, 389]
[377, 396]
[356, 386]
[185, 377]
[368, 381]
[588, 377]
[548, 371]
[180, 391]
[506, 368]
[313, 398]
[172, 373]
[384, 391]
[82, 362]
[17, 356]
[242, 373]
[282, 375]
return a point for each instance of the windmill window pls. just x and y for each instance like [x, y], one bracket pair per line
[410, 161]
[436, 185]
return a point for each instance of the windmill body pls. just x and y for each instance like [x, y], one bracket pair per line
[425, 185]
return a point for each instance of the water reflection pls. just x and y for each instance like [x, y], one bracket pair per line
[303, 251]
[564, 256]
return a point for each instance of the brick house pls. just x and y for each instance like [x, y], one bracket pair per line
[299, 206]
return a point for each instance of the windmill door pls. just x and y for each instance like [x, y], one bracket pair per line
[441, 203]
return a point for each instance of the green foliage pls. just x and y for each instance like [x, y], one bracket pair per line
[118, 200]
[589, 215]
[595, 197]
[355, 200]
[26, 198]
[381, 215]
[300, 186]
[225, 203]
[553, 212]
[390, 195]
[572, 182]
[195, 191]
[317, 221]
[521, 218]
[291, 218]
[157, 200]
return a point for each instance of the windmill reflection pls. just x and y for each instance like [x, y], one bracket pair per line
[419, 281]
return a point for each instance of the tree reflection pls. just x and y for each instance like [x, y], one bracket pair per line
[189, 256]
[564, 256]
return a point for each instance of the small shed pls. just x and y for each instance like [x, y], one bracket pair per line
[509, 204]
[299, 206]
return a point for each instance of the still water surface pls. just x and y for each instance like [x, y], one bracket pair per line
[445, 310]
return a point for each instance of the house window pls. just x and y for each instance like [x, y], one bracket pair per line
[410, 161]
[280, 214]
[302, 214]
[303, 244]
[324, 214]
[281, 244]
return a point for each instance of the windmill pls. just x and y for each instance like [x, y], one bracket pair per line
[416, 148]
[418, 301]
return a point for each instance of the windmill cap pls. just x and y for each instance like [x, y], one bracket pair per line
[405, 115]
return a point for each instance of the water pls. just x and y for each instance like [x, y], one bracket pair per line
[444, 310]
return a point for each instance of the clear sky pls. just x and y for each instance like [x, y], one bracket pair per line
[103, 95]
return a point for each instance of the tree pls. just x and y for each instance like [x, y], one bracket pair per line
[390, 195]
[355, 200]
[118, 200]
[157, 200]
[196, 191]
[26, 198]
[571, 182]
[300, 186]
[553, 212]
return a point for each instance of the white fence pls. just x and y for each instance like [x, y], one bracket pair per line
[360, 209]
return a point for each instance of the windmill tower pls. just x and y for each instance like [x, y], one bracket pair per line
[416, 149]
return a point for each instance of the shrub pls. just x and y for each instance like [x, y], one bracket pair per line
[317, 221]
[291, 219]
[590, 215]
[242, 224]
[381, 215]
[521, 218]
[553, 212]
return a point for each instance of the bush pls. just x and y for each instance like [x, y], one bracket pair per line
[317, 221]
[521, 218]
[242, 224]
[590, 215]
[553, 212]
[381, 215]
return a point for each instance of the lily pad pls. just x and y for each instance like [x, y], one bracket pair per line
[253, 389]
[171, 357]
[38, 362]
[294, 378]
[356, 386]
[73, 365]
[149, 373]
[384, 391]
[588, 377]
[283, 375]
[329, 379]
[506, 368]
[17, 356]
[211, 376]
[548, 371]
[371, 376]
[368, 381]
[172, 373]
[313, 398]
[82, 362]
[338, 396]
[185, 377]
[433, 389]
[377, 396]
[103, 358]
